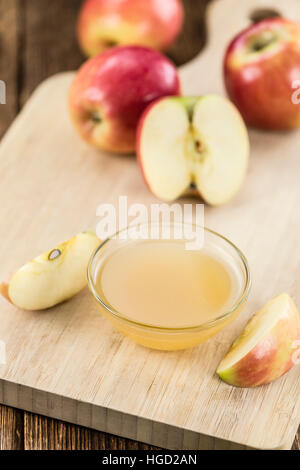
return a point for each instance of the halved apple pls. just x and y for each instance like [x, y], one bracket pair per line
[196, 144]
[54, 276]
[266, 348]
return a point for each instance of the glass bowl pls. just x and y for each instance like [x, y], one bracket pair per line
[166, 338]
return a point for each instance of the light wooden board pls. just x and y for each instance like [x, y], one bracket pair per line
[68, 362]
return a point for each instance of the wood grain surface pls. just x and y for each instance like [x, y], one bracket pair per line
[29, 34]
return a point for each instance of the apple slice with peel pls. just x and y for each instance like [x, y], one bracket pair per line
[54, 276]
[198, 144]
[267, 347]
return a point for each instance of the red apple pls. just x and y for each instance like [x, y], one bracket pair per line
[111, 91]
[106, 23]
[261, 66]
[267, 347]
[197, 145]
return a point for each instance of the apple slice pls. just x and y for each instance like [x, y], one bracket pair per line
[193, 143]
[266, 348]
[54, 276]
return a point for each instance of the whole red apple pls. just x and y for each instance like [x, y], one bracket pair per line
[261, 68]
[111, 91]
[106, 23]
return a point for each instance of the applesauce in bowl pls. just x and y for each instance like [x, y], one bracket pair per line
[164, 296]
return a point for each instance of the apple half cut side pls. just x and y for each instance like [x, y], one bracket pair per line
[198, 144]
[53, 277]
[267, 347]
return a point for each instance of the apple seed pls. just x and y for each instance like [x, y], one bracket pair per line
[54, 254]
[199, 146]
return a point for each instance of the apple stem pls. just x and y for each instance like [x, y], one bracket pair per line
[190, 115]
[4, 291]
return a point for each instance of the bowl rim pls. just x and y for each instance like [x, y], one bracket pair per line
[203, 326]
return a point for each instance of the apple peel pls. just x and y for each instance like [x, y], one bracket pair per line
[4, 291]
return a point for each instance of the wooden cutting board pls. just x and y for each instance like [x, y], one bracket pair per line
[68, 362]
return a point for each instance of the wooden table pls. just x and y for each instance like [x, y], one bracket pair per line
[37, 40]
